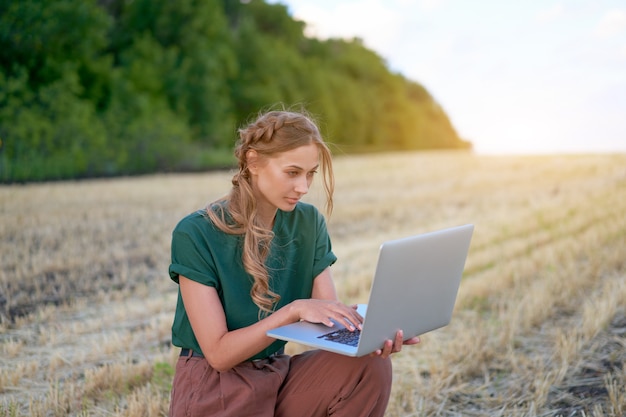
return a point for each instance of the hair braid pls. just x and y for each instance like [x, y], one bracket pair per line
[271, 133]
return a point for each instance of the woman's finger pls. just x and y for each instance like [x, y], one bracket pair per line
[347, 316]
[412, 341]
[397, 345]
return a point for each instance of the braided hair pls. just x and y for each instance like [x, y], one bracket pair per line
[271, 133]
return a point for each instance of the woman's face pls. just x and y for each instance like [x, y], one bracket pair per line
[279, 182]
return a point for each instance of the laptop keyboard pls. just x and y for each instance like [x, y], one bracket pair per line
[343, 336]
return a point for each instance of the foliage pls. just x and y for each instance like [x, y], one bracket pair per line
[102, 88]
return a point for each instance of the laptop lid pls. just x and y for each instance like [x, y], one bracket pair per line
[414, 289]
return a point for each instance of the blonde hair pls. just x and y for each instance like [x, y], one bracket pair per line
[271, 133]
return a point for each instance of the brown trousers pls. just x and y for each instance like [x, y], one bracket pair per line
[314, 383]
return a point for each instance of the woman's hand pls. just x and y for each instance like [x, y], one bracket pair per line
[393, 346]
[325, 311]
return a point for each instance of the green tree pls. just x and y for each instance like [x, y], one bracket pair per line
[266, 41]
[145, 134]
[92, 87]
[50, 65]
[196, 42]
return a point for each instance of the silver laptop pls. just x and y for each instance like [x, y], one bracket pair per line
[414, 289]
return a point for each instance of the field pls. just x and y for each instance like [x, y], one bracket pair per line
[539, 327]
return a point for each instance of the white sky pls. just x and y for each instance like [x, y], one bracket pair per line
[527, 76]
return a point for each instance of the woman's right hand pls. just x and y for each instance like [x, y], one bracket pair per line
[325, 311]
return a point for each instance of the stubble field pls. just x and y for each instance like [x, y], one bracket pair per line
[539, 327]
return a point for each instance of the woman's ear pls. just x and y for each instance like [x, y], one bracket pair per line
[252, 161]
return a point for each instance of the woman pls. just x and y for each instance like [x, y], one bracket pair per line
[259, 259]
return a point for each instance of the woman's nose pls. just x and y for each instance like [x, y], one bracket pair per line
[302, 185]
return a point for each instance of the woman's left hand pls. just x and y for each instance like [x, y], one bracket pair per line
[393, 346]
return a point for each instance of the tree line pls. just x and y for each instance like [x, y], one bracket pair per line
[118, 87]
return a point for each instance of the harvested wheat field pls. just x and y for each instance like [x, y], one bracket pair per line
[539, 327]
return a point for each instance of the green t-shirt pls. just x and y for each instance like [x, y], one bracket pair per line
[300, 251]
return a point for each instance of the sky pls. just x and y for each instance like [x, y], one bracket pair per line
[522, 77]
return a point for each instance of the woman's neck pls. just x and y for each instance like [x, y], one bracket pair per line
[266, 217]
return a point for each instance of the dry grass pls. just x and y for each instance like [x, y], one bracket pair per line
[539, 328]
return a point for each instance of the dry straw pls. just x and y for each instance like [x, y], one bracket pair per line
[539, 328]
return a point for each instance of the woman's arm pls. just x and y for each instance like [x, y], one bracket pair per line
[324, 287]
[223, 349]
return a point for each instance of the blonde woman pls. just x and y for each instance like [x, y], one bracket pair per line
[257, 259]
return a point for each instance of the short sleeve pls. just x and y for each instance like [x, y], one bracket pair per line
[191, 257]
[324, 256]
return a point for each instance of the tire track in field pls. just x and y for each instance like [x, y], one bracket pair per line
[486, 359]
[515, 250]
[61, 347]
[548, 332]
[489, 359]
